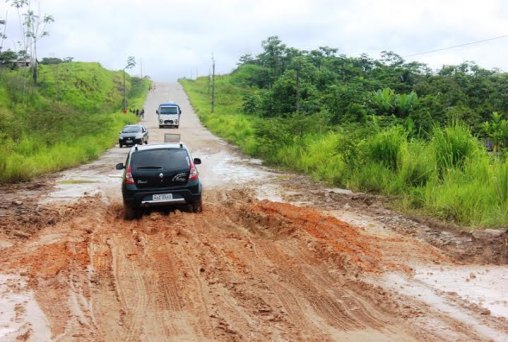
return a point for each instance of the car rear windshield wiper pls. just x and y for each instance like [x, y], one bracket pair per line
[149, 167]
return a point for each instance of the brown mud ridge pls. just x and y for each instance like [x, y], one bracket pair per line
[243, 270]
[21, 216]
[481, 246]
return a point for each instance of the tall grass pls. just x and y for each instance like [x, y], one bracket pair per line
[453, 146]
[449, 176]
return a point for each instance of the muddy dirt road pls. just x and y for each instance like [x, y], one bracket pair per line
[273, 257]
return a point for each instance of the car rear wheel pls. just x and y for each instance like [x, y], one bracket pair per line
[197, 207]
[130, 212]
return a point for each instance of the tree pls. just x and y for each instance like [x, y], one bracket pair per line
[51, 60]
[246, 59]
[33, 28]
[2, 33]
[8, 59]
[497, 131]
[390, 58]
[291, 93]
[35, 25]
[131, 63]
[387, 102]
[273, 56]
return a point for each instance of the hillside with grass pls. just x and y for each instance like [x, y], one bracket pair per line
[434, 142]
[71, 116]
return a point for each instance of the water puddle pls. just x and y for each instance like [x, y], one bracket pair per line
[482, 285]
[21, 318]
[223, 169]
[269, 192]
[451, 289]
[73, 186]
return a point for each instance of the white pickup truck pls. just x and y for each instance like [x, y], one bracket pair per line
[169, 114]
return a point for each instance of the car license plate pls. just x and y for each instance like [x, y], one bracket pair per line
[162, 197]
[129, 140]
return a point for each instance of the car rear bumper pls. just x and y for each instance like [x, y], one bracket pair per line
[130, 141]
[144, 198]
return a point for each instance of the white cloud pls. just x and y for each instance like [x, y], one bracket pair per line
[177, 38]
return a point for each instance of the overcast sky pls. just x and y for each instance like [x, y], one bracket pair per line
[172, 39]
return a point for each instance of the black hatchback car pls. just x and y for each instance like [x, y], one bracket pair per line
[160, 175]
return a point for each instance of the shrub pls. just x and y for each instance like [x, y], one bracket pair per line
[452, 146]
[384, 147]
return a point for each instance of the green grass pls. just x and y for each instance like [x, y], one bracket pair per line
[449, 176]
[71, 117]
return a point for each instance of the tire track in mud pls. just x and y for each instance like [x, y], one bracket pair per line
[317, 306]
[145, 283]
[240, 265]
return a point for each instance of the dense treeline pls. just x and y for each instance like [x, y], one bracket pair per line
[71, 116]
[384, 126]
[351, 89]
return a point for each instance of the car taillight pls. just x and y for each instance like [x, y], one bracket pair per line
[194, 174]
[128, 179]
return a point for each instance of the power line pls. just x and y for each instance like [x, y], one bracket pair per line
[457, 46]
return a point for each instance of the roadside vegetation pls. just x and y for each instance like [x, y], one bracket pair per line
[433, 141]
[69, 117]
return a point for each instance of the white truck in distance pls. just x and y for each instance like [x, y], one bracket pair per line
[169, 114]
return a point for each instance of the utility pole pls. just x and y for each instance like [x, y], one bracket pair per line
[213, 83]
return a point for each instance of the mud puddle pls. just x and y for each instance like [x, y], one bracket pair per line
[21, 318]
[225, 169]
[457, 307]
[484, 286]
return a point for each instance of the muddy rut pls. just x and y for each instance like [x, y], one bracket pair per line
[273, 257]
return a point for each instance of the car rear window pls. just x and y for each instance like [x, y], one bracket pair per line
[169, 110]
[167, 159]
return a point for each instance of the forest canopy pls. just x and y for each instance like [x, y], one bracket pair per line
[350, 89]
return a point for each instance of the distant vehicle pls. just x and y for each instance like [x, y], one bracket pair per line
[133, 134]
[169, 114]
[160, 175]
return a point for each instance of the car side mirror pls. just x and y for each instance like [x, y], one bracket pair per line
[156, 111]
[119, 166]
[197, 161]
